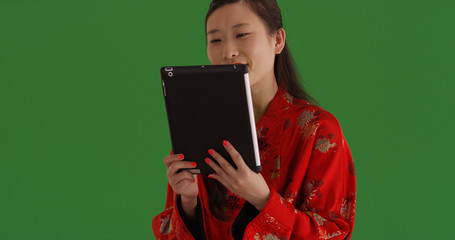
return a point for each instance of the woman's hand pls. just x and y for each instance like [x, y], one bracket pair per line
[242, 181]
[183, 182]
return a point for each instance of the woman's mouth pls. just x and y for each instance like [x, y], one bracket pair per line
[242, 63]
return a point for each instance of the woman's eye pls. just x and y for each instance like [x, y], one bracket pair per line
[242, 35]
[215, 40]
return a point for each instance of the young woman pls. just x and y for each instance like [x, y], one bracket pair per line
[306, 189]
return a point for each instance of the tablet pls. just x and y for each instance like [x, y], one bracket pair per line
[206, 105]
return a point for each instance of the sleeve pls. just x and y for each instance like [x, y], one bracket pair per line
[169, 224]
[324, 197]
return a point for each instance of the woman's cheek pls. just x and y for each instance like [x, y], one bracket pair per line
[214, 55]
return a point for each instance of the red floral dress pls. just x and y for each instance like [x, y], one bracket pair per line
[309, 168]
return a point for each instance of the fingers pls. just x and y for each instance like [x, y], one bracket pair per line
[172, 158]
[175, 166]
[174, 163]
[236, 157]
[224, 166]
[180, 178]
[215, 166]
[219, 179]
[181, 181]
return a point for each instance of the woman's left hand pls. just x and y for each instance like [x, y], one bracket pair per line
[242, 181]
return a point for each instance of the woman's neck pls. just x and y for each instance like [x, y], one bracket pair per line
[262, 95]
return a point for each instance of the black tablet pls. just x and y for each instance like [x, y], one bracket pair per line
[206, 105]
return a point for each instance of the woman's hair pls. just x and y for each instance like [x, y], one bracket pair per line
[285, 73]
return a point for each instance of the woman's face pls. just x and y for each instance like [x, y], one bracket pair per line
[235, 34]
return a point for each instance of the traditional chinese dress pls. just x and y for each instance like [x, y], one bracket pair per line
[309, 168]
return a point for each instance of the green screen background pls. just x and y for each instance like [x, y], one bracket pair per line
[83, 127]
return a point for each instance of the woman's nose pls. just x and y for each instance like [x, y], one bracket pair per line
[230, 50]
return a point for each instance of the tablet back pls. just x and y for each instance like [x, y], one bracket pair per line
[206, 105]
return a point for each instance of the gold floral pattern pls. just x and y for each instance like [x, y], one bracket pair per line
[267, 150]
[290, 196]
[311, 190]
[308, 124]
[289, 97]
[166, 225]
[262, 132]
[309, 130]
[347, 209]
[323, 145]
[270, 219]
[320, 220]
[324, 235]
[269, 236]
[275, 172]
[306, 117]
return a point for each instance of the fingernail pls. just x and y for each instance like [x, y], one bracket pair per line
[225, 143]
[181, 157]
[193, 164]
[210, 151]
[210, 176]
[207, 160]
[194, 180]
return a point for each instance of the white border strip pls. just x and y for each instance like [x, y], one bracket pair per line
[252, 120]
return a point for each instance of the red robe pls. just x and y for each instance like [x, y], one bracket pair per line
[309, 168]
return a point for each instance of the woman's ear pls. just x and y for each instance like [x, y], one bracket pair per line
[280, 40]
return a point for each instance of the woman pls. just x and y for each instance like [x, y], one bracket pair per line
[306, 189]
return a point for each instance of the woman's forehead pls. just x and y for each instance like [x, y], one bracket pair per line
[231, 16]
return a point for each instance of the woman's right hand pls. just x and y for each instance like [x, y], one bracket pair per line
[184, 182]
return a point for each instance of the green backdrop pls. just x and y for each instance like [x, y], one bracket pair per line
[83, 128]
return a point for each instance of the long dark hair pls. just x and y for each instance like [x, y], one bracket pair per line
[286, 75]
